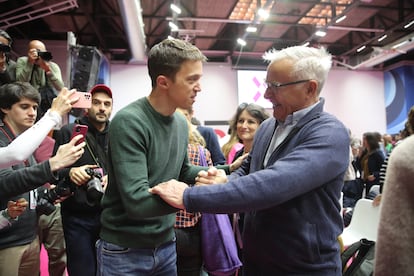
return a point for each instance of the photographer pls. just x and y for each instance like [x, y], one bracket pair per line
[37, 68]
[81, 212]
[7, 66]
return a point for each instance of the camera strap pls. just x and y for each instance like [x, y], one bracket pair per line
[100, 159]
[93, 155]
[40, 79]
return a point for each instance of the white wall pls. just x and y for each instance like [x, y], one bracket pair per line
[356, 98]
[216, 101]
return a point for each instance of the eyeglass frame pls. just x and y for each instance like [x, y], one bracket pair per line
[275, 85]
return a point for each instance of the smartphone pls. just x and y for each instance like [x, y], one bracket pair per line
[79, 129]
[85, 99]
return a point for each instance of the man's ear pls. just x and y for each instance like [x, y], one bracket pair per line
[313, 86]
[162, 82]
[5, 110]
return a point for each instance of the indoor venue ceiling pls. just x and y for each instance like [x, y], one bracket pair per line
[372, 34]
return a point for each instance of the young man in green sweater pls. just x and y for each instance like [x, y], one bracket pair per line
[148, 145]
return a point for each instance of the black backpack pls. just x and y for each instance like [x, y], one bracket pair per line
[358, 259]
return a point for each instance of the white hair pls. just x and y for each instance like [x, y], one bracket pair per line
[308, 62]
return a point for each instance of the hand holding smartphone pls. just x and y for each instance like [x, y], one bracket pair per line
[79, 129]
[85, 99]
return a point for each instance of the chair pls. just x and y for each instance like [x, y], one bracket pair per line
[364, 223]
[375, 189]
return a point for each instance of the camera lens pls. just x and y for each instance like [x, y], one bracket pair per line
[46, 56]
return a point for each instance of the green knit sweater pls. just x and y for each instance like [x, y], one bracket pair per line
[145, 148]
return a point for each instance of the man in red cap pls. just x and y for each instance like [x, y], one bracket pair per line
[81, 212]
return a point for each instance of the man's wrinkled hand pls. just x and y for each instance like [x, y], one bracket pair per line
[171, 192]
[211, 176]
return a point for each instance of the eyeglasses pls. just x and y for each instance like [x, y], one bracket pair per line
[274, 85]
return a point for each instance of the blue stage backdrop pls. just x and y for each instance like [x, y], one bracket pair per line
[399, 96]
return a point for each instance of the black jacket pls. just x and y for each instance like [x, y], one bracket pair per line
[97, 143]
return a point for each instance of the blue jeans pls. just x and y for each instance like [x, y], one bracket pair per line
[81, 234]
[117, 260]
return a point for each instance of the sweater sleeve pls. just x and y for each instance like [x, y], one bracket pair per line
[16, 182]
[27, 142]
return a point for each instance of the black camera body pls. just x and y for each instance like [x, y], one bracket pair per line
[46, 56]
[46, 198]
[94, 190]
[4, 48]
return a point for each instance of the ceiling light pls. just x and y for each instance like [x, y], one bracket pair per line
[409, 24]
[251, 29]
[382, 38]
[263, 13]
[342, 18]
[175, 8]
[399, 44]
[320, 33]
[173, 26]
[361, 48]
[241, 41]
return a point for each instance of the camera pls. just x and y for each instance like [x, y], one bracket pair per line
[4, 48]
[94, 190]
[47, 197]
[46, 56]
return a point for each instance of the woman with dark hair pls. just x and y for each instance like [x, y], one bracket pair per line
[234, 144]
[370, 161]
[248, 119]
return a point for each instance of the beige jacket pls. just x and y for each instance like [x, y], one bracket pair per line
[395, 243]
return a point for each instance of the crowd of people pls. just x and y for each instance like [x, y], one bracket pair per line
[126, 196]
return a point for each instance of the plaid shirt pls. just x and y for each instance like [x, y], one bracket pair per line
[183, 218]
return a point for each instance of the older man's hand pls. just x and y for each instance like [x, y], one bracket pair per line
[211, 176]
[171, 192]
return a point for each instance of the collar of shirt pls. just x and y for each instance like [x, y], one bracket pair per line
[293, 119]
[283, 129]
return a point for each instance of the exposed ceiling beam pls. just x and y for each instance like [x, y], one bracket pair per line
[247, 22]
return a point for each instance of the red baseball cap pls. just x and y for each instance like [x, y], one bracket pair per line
[101, 88]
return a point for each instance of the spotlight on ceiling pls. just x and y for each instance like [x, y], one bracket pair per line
[360, 49]
[409, 24]
[175, 8]
[241, 41]
[251, 29]
[263, 14]
[382, 38]
[173, 26]
[342, 18]
[320, 33]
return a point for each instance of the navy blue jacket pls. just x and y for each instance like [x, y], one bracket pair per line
[212, 144]
[292, 219]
